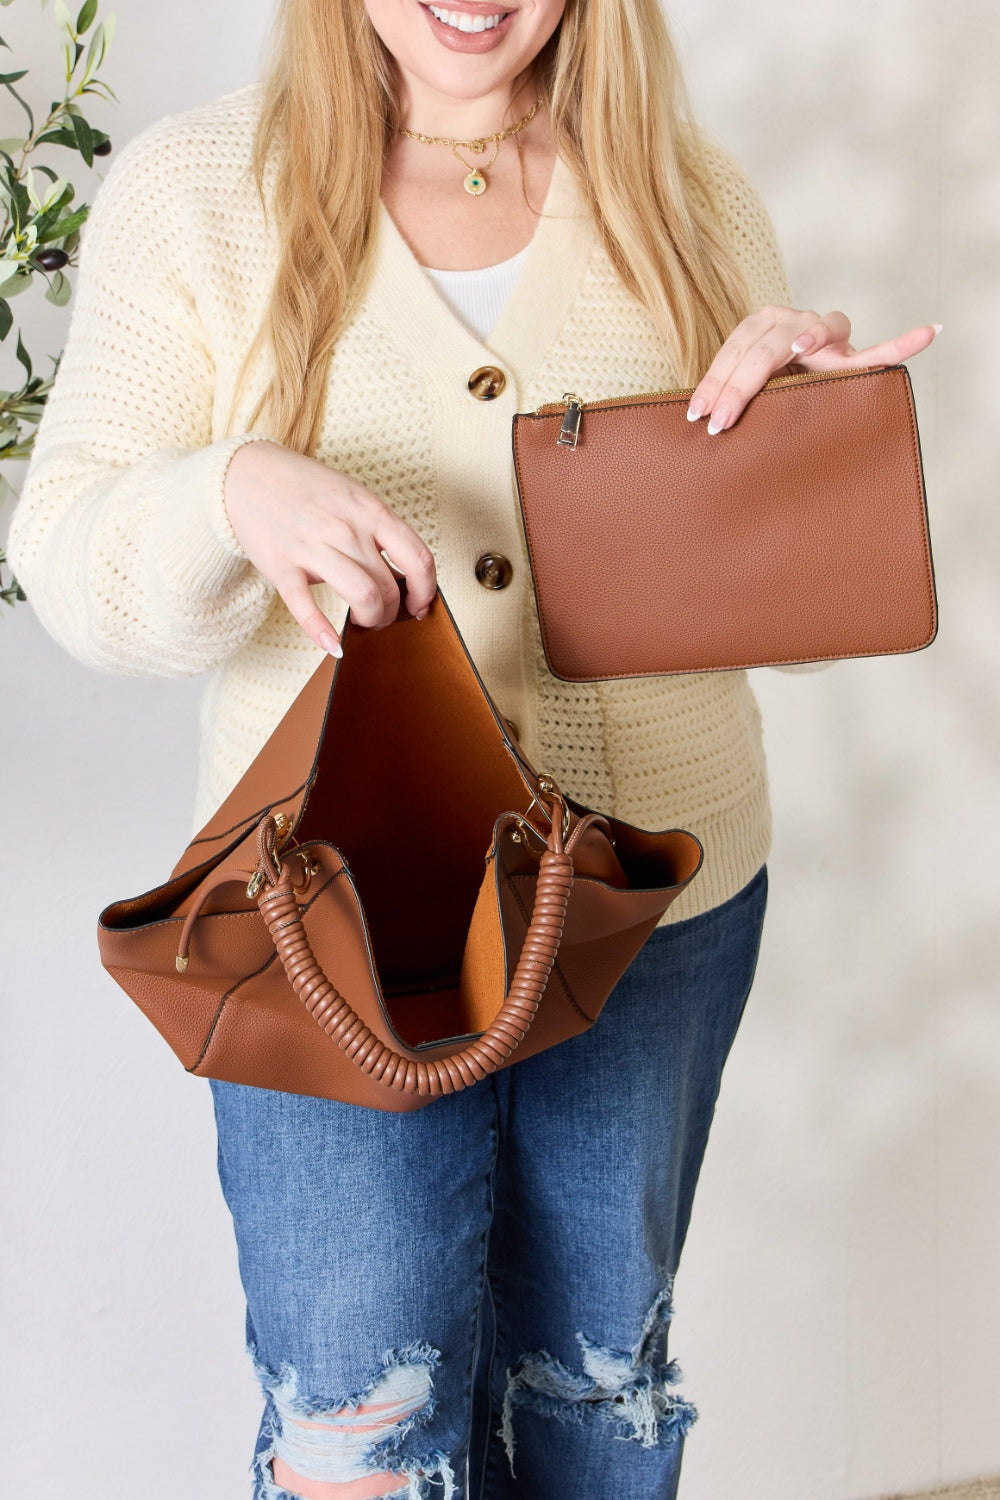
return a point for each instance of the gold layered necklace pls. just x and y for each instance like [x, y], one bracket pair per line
[475, 182]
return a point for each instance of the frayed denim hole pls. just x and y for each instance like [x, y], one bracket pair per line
[629, 1390]
[345, 1444]
[264, 1487]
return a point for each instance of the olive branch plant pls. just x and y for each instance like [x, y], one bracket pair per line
[40, 220]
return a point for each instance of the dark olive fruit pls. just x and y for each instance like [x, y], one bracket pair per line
[52, 260]
[103, 148]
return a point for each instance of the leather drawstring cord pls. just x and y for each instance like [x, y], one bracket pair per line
[268, 868]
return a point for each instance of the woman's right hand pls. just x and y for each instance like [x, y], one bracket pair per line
[301, 522]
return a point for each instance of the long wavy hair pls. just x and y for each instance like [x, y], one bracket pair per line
[620, 120]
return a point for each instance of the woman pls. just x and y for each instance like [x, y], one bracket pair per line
[271, 389]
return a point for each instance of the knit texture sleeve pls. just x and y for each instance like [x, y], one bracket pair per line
[120, 539]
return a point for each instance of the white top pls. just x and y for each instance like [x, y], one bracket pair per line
[478, 298]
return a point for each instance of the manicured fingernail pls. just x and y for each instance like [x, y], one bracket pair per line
[330, 643]
[803, 345]
[695, 410]
[720, 420]
[937, 327]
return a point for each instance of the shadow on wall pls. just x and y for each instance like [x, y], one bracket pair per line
[905, 752]
[865, 1089]
[976, 1489]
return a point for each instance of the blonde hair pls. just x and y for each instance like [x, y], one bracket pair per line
[620, 120]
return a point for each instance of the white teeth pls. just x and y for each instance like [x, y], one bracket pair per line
[465, 22]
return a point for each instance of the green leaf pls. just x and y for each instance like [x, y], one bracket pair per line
[14, 285]
[14, 594]
[84, 138]
[24, 358]
[98, 49]
[6, 318]
[24, 105]
[13, 77]
[85, 19]
[20, 201]
[98, 86]
[59, 137]
[63, 17]
[64, 227]
[59, 291]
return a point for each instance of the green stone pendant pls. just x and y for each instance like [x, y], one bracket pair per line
[475, 183]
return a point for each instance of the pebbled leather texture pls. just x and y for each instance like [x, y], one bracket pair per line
[428, 910]
[798, 535]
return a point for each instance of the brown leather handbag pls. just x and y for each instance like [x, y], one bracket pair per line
[391, 904]
[798, 535]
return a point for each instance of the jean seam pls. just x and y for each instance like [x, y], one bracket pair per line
[490, 1180]
[493, 1442]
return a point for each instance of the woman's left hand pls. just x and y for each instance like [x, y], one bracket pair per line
[770, 340]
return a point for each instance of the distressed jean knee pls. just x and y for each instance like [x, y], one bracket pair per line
[630, 1391]
[350, 1436]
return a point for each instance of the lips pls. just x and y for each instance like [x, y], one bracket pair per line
[469, 27]
[470, 23]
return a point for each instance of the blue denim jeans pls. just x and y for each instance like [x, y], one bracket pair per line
[489, 1278]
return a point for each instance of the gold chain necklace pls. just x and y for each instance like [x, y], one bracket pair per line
[475, 183]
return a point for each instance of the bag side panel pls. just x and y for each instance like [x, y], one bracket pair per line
[278, 779]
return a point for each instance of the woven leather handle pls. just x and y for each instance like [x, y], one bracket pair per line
[337, 1018]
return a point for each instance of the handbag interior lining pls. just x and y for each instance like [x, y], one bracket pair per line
[412, 776]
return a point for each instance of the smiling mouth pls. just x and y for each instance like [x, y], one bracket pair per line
[462, 21]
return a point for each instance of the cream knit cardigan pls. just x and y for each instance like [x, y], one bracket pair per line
[122, 542]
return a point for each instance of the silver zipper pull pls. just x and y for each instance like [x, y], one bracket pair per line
[569, 432]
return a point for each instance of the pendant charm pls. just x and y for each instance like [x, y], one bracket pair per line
[475, 183]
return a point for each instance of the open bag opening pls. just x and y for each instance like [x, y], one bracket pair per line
[413, 774]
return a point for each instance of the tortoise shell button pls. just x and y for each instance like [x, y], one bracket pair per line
[494, 571]
[487, 383]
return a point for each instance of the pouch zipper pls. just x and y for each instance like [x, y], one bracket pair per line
[573, 408]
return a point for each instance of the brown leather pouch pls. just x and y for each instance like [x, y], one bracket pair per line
[798, 535]
[391, 904]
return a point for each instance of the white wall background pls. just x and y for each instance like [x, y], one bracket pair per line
[838, 1314]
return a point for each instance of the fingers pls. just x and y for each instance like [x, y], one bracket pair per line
[352, 541]
[831, 332]
[411, 558]
[369, 590]
[363, 581]
[774, 337]
[301, 523]
[760, 346]
[294, 590]
[891, 352]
